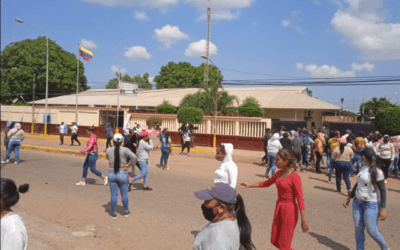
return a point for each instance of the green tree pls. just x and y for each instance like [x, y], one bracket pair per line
[309, 92]
[142, 81]
[166, 108]
[387, 120]
[23, 60]
[251, 108]
[184, 75]
[190, 115]
[371, 107]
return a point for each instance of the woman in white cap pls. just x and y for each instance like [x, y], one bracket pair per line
[229, 227]
[227, 172]
[118, 176]
[143, 152]
[386, 155]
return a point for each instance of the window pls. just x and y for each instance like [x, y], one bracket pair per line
[111, 117]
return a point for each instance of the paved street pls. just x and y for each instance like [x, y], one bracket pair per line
[60, 215]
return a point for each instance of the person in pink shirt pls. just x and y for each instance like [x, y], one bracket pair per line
[91, 158]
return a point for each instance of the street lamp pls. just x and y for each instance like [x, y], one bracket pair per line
[33, 103]
[216, 102]
[341, 112]
[47, 69]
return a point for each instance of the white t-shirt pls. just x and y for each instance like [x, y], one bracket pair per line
[365, 190]
[13, 233]
[74, 128]
[62, 129]
[223, 235]
[187, 137]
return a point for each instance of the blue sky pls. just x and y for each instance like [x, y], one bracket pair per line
[309, 38]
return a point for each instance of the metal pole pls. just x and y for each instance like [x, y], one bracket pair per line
[47, 85]
[216, 110]
[362, 114]
[33, 107]
[119, 80]
[77, 82]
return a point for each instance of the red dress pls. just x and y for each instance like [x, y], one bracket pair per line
[286, 210]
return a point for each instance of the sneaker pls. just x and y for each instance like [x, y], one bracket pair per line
[106, 181]
[266, 177]
[7, 161]
[16, 162]
[303, 171]
[385, 181]
[126, 214]
[113, 216]
[81, 183]
[147, 189]
[141, 179]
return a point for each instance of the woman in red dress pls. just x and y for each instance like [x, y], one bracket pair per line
[288, 183]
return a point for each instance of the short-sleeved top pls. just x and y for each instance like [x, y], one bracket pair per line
[165, 143]
[365, 190]
[13, 233]
[222, 235]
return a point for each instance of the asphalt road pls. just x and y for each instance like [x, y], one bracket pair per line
[60, 215]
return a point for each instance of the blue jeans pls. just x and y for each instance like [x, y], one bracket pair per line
[357, 161]
[118, 181]
[394, 166]
[304, 156]
[13, 146]
[365, 215]
[342, 167]
[126, 140]
[165, 151]
[144, 172]
[90, 162]
[271, 163]
[329, 162]
[6, 145]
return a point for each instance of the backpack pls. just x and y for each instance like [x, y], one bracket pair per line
[361, 142]
[334, 143]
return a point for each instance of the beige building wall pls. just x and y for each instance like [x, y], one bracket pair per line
[284, 114]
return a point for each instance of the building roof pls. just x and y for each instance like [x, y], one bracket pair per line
[268, 97]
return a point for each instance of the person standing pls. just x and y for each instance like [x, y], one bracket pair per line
[305, 150]
[13, 230]
[91, 158]
[289, 186]
[119, 158]
[348, 132]
[333, 143]
[342, 157]
[369, 204]
[132, 145]
[109, 133]
[394, 165]
[62, 130]
[187, 137]
[9, 126]
[285, 141]
[274, 145]
[227, 172]
[74, 134]
[182, 129]
[229, 227]
[143, 153]
[267, 136]
[16, 135]
[296, 145]
[319, 151]
[386, 155]
[126, 128]
[166, 150]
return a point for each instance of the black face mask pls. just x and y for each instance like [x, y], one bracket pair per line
[208, 213]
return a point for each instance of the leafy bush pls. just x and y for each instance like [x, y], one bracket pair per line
[387, 120]
[166, 108]
[153, 121]
[250, 108]
[190, 115]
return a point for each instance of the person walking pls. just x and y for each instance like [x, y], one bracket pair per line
[187, 137]
[109, 133]
[369, 201]
[182, 129]
[267, 136]
[166, 150]
[319, 151]
[91, 158]
[333, 142]
[16, 135]
[13, 230]
[229, 227]
[285, 141]
[132, 145]
[143, 153]
[386, 155]
[227, 172]
[274, 145]
[394, 165]
[296, 145]
[289, 186]
[62, 130]
[119, 158]
[74, 134]
[305, 150]
[9, 126]
[126, 128]
[342, 157]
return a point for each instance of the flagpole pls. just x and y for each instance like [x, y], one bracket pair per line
[119, 81]
[77, 82]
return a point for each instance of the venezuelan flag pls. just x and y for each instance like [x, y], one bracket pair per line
[85, 53]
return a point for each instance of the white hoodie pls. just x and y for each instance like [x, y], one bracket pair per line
[127, 124]
[274, 145]
[227, 172]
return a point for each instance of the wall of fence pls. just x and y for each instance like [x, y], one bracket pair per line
[354, 127]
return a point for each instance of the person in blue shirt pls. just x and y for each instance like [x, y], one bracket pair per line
[305, 150]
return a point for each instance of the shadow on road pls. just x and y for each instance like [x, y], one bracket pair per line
[107, 208]
[328, 189]
[92, 181]
[194, 233]
[137, 187]
[394, 190]
[328, 242]
[260, 175]
[317, 179]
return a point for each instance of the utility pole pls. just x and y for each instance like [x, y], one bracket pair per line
[207, 45]
[33, 107]
[216, 110]
[341, 110]
[119, 81]
[362, 112]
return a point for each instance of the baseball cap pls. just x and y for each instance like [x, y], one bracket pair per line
[117, 137]
[386, 136]
[220, 191]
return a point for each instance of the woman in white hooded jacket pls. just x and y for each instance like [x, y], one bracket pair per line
[227, 172]
[126, 128]
[274, 145]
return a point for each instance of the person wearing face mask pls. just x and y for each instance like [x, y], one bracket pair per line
[369, 204]
[288, 183]
[143, 153]
[229, 227]
[386, 154]
[227, 172]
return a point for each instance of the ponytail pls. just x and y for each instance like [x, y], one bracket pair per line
[10, 192]
[244, 224]
[117, 160]
[374, 172]
[342, 148]
[23, 188]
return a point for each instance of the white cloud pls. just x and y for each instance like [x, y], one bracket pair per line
[162, 4]
[137, 53]
[363, 26]
[142, 16]
[151, 79]
[286, 23]
[115, 69]
[221, 9]
[88, 44]
[198, 49]
[327, 71]
[169, 35]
